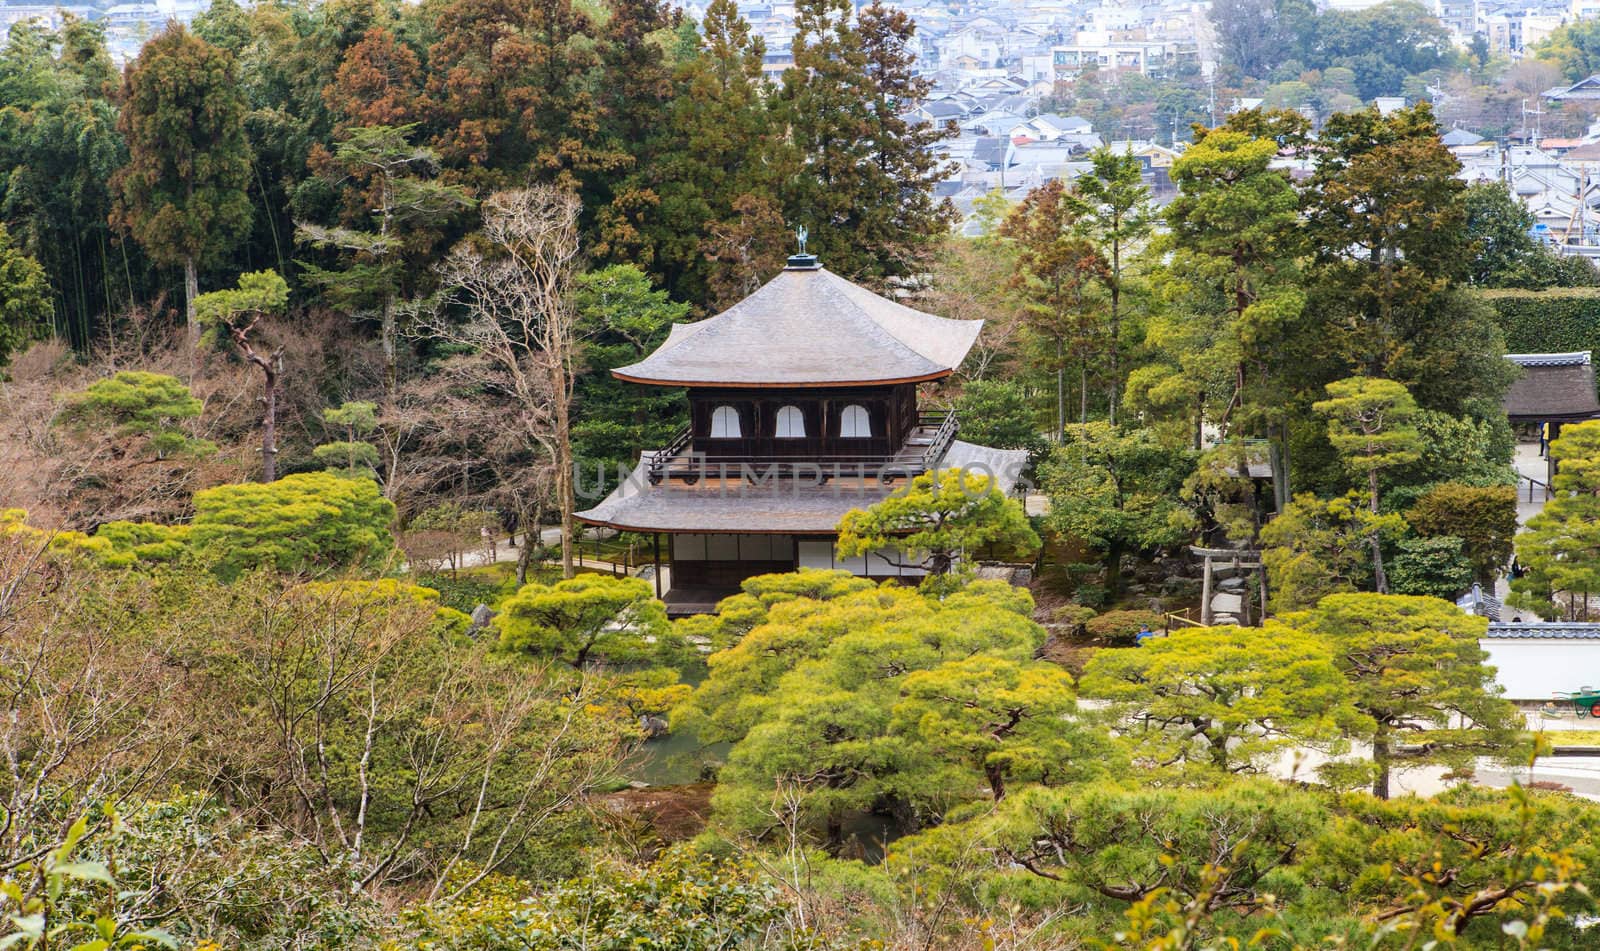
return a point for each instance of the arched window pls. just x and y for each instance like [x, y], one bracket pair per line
[855, 423]
[791, 423]
[725, 423]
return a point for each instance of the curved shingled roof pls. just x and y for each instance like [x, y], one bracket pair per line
[1553, 386]
[808, 327]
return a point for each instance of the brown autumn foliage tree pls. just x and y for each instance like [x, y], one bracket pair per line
[379, 82]
[510, 94]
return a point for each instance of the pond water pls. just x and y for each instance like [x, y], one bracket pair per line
[676, 759]
[680, 760]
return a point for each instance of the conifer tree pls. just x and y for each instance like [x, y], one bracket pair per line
[182, 194]
[1370, 426]
[1057, 271]
[1116, 217]
[237, 312]
[1233, 276]
[1386, 215]
[511, 91]
[712, 221]
[1560, 549]
[856, 173]
[390, 180]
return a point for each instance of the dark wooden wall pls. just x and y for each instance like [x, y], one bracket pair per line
[893, 410]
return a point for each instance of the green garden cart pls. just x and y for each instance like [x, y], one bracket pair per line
[1585, 701]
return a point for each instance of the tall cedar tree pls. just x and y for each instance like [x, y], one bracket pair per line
[1385, 213]
[378, 82]
[634, 100]
[1234, 242]
[182, 194]
[714, 221]
[1116, 217]
[511, 90]
[856, 174]
[1056, 272]
[59, 147]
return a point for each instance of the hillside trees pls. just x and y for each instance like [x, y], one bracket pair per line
[89, 702]
[530, 107]
[402, 206]
[717, 223]
[182, 194]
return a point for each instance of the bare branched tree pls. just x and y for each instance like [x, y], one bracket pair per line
[384, 745]
[90, 703]
[520, 336]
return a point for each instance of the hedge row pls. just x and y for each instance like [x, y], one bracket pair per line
[1558, 320]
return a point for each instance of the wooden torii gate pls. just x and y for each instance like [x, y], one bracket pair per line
[1239, 559]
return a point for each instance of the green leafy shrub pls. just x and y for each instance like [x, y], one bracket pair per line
[1435, 567]
[307, 522]
[1119, 627]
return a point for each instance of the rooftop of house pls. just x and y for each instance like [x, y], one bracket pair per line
[1459, 137]
[808, 327]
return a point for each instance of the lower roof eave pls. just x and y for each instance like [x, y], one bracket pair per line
[680, 530]
[1551, 417]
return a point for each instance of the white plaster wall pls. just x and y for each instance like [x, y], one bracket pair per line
[1535, 668]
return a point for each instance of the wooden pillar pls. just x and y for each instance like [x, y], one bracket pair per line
[1261, 574]
[655, 539]
[1244, 594]
[1205, 593]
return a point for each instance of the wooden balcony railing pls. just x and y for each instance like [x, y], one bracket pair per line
[923, 449]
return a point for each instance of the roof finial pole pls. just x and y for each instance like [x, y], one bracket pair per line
[800, 235]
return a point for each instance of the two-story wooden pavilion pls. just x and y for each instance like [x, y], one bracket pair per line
[803, 405]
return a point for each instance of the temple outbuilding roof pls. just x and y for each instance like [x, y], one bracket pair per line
[808, 327]
[1553, 386]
